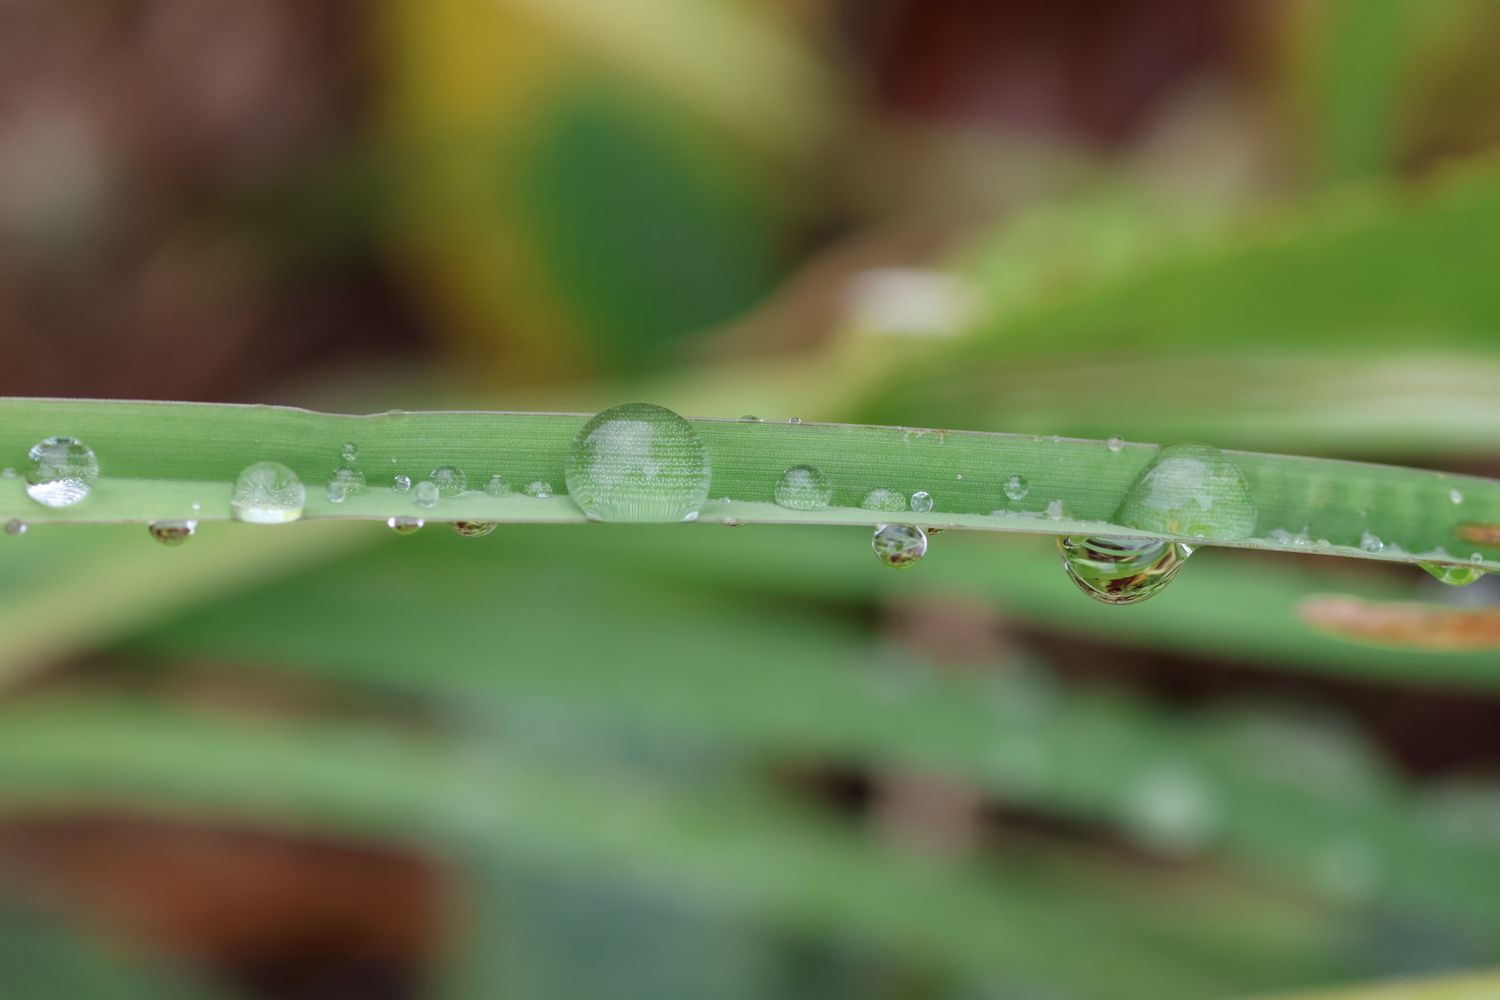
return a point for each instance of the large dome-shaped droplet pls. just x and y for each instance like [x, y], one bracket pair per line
[1190, 489]
[1121, 570]
[267, 493]
[1456, 576]
[638, 462]
[62, 473]
[899, 546]
[803, 487]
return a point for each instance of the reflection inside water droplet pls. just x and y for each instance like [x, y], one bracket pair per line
[638, 463]
[883, 499]
[1016, 487]
[345, 483]
[1456, 576]
[474, 529]
[425, 494]
[450, 482]
[921, 501]
[1121, 570]
[803, 487]
[267, 493]
[400, 483]
[173, 532]
[899, 546]
[497, 486]
[15, 527]
[541, 489]
[404, 525]
[63, 472]
[1115, 443]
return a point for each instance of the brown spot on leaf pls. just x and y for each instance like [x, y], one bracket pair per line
[1487, 535]
[1403, 623]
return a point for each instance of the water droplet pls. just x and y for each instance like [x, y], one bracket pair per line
[15, 527]
[1016, 487]
[883, 499]
[1477, 557]
[1115, 443]
[803, 487]
[921, 501]
[345, 483]
[1170, 807]
[899, 546]
[1190, 489]
[173, 532]
[1456, 576]
[404, 525]
[450, 482]
[1121, 570]
[497, 486]
[401, 483]
[1370, 543]
[8, 473]
[638, 463]
[350, 451]
[425, 494]
[751, 418]
[64, 472]
[795, 420]
[267, 493]
[1455, 496]
[197, 506]
[474, 529]
[541, 489]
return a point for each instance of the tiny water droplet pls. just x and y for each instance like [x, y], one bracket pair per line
[267, 493]
[1455, 496]
[1477, 557]
[350, 451]
[1456, 576]
[173, 532]
[1121, 570]
[15, 527]
[883, 499]
[8, 473]
[1190, 489]
[1016, 487]
[345, 483]
[474, 529]
[803, 487]
[921, 501]
[638, 463]
[1115, 443]
[1371, 543]
[899, 546]
[425, 494]
[404, 525]
[450, 482]
[795, 420]
[63, 472]
[541, 489]
[401, 483]
[751, 418]
[497, 486]
[197, 506]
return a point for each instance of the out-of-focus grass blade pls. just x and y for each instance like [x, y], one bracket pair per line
[721, 851]
[468, 625]
[65, 591]
[177, 460]
[1480, 987]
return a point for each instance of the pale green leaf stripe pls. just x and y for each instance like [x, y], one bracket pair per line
[722, 851]
[1480, 987]
[160, 459]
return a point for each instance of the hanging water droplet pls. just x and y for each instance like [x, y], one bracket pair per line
[899, 546]
[497, 486]
[1121, 570]
[425, 494]
[474, 529]
[1190, 489]
[450, 482]
[1115, 443]
[404, 525]
[1370, 543]
[541, 489]
[15, 526]
[64, 471]
[345, 483]
[1456, 576]
[638, 463]
[173, 532]
[267, 493]
[803, 487]
[883, 499]
[1016, 487]
[921, 501]
[350, 452]
[1455, 496]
